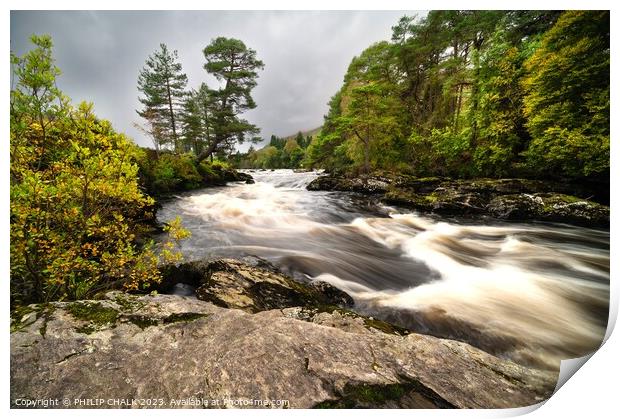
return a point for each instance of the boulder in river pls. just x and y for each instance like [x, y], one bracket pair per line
[251, 285]
[363, 184]
[549, 207]
[231, 175]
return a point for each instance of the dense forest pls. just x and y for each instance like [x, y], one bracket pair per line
[476, 93]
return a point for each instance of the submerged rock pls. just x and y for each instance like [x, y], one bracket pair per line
[513, 199]
[169, 349]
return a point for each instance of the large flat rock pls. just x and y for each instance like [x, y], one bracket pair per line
[171, 347]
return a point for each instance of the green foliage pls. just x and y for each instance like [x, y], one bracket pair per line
[236, 67]
[567, 102]
[501, 135]
[165, 172]
[365, 121]
[76, 206]
[197, 119]
[443, 153]
[476, 93]
[214, 172]
[280, 153]
[174, 173]
[268, 157]
[277, 142]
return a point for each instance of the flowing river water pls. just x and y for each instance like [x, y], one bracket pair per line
[531, 292]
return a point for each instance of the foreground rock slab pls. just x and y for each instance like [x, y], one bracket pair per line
[173, 349]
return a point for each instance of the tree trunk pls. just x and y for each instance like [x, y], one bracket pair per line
[366, 158]
[174, 129]
[217, 140]
[474, 91]
[458, 108]
[208, 152]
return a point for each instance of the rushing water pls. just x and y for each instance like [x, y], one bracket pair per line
[533, 293]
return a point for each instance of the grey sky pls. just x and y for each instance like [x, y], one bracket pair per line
[305, 54]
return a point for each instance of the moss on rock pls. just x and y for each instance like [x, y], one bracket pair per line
[512, 199]
[384, 327]
[184, 317]
[408, 393]
[141, 321]
[95, 314]
[24, 316]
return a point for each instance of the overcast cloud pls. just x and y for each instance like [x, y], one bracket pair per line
[305, 54]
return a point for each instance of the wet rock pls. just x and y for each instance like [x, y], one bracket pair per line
[333, 294]
[442, 200]
[218, 175]
[367, 185]
[232, 175]
[549, 207]
[244, 177]
[326, 183]
[251, 284]
[177, 348]
[513, 199]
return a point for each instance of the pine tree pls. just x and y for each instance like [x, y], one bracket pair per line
[191, 122]
[234, 65]
[162, 84]
[300, 139]
[197, 119]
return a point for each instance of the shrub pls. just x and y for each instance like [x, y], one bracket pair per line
[172, 173]
[76, 206]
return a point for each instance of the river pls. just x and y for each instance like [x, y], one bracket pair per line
[534, 293]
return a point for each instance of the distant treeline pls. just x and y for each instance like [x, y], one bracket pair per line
[280, 153]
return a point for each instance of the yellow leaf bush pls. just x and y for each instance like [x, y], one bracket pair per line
[76, 205]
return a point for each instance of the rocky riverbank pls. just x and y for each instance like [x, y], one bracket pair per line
[507, 199]
[251, 334]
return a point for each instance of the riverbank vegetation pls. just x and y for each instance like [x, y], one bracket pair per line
[194, 131]
[165, 172]
[82, 195]
[476, 94]
[80, 220]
